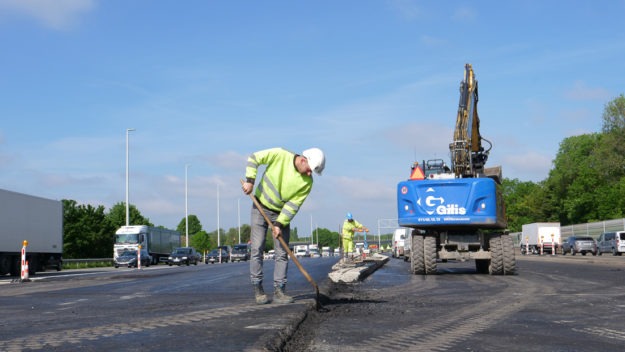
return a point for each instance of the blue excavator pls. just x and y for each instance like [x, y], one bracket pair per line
[457, 212]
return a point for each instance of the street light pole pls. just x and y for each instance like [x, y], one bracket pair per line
[218, 233]
[127, 155]
[186, 205]
[312, 235]
[239, 217]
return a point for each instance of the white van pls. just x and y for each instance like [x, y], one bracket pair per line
[399, 240]
[407, 247]
[611, 242]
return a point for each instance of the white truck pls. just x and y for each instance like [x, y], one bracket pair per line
[545, 235]
[326, 251]
[159, 242]
[36, 220]
[300, 250]
[313, 251]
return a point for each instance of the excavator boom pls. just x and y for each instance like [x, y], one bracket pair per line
[467, 154]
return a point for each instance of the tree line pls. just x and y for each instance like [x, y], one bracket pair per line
[585, 184]
[89, 232]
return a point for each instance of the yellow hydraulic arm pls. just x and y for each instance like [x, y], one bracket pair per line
[467, 154]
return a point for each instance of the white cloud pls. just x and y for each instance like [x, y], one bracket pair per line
[580, 91]
[55, 14]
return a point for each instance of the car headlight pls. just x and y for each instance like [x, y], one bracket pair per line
[184, 258]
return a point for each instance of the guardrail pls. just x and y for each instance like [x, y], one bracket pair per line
[89, 262]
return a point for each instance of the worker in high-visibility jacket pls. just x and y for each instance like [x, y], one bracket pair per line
[350, 226]
[282, 190]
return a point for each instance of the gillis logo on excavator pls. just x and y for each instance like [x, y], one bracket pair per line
[437, 205]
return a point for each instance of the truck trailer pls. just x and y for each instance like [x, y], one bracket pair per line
[36, 220]
[159, 242]
[540, 237]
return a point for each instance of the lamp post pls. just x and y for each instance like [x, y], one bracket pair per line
[127, 204]
[311, 230]
[317, 233]
[239, 217]
[186, 205]
[218, 232]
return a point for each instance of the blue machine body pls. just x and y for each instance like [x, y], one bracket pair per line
[458, 203]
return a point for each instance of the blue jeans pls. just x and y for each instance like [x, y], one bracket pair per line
[258, 237]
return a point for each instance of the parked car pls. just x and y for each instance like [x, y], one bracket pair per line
[612, 242]
[240, 252]
[129, 259]
[579, 244]
[184, 255]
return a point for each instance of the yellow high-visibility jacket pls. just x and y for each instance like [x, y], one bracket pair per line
[349, 227]
[282, 188]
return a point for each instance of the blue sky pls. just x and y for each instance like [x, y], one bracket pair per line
[205, 83]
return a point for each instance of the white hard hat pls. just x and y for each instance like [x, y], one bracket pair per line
[316, 159]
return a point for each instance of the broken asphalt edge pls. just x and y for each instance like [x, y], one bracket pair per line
[347, 274]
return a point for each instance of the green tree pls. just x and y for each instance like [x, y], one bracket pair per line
[195, 225]
[219, 239]
[610, 152]
[246, 233]
[232, 236]
[573, 177]
[87, 232]
[201, 241]
[328, 238]
[526, 202]
[614, 115]
[117, 216]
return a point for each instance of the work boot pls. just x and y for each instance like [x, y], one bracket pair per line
[259, 293]
[280, 297]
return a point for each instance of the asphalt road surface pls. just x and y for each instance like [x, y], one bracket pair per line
[553, 304]
[208, 307]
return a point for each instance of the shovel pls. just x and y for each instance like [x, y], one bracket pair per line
[289, 252]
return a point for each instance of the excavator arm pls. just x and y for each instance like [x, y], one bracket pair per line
[468, 156]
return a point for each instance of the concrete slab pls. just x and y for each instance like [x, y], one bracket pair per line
[357, 270]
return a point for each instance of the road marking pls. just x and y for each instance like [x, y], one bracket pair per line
[435, 336]
[73, 302]
[604, 332]
[50, 340]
